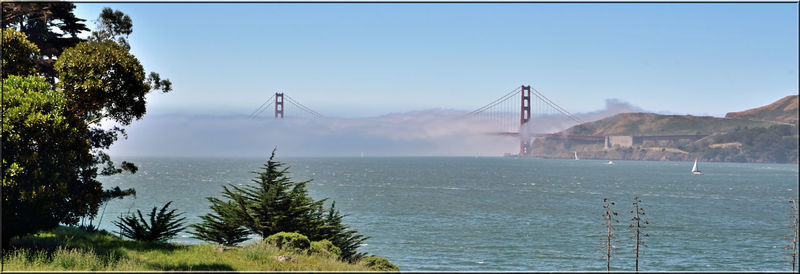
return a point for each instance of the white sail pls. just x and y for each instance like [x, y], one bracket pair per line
[694, 167]
[576, 155]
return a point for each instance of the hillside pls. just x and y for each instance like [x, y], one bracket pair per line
[766, 134]
[784, 110]
[657, 124]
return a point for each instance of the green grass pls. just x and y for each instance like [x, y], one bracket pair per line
[73, 249]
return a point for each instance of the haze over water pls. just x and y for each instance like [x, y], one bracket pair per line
[485, 213]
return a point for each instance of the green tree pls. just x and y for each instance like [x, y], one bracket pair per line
[340, 234]
[102, 80]
[53, 142]
[19, 54]
[47, 172]
[274, 203]
[221, 225]
[113, 25]
[51, 26]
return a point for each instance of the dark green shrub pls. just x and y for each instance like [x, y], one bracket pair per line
[275, 203]
[342, 236]
[289, 241]
[220, 226]
[324, 248]
[163, 226]
[378, 264]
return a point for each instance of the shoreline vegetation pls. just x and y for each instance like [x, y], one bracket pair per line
[57, 89]
[329, 246]
[73, 249]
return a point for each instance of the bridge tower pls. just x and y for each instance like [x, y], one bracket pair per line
[279, 105]
[524, 117]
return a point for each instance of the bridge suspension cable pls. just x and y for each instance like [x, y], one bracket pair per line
[262, 108]
[493, 103]
[502, 110]
[557, 107]
[302, 107]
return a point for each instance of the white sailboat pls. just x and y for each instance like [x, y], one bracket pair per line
[696, 171]
[610, 163]
[576, 155]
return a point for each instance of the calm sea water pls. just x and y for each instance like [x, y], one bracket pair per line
[464, 213]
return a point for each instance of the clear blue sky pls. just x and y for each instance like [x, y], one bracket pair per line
[361, 60]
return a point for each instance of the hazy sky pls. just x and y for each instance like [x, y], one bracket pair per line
[359, 62]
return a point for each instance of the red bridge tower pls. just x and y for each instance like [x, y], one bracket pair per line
[279, 105]
[524, 117]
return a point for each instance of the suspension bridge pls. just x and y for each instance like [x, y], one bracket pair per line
[519, 113]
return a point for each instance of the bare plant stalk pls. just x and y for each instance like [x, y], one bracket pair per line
[609, 220]
[636, 226]
[793, 226]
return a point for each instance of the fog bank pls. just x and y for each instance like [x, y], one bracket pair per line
[434, 132]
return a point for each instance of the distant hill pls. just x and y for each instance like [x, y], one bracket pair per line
[657, 124]
[767, 134]
[784, 110]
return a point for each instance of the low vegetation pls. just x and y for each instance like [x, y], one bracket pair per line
[638, 224]
[66, 248]
[792, 246]
[163, 226]
[609, 219]
[636, 227]
[277, 209]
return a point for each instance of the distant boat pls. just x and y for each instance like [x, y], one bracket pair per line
[576, 155]
[610, 163]
[696, 171]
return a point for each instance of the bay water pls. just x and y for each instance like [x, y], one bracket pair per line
[510, 214]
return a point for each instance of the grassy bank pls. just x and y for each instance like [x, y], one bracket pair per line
[73, 249]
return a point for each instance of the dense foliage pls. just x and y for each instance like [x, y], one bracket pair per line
[220, 225]
[51, 26]
[53, 142]
[163, 225]
[47, 172]
[379, 264]
[325, 248]
[289, 240]
[273, 204]
[19, 54]
[102, 79]
[340, 234]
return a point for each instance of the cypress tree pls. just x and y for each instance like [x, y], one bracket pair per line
[342, 236]
[221, 225]
[275, 203]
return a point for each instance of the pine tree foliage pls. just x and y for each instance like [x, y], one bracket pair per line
[274, 203]
[342, 236]
[220, 226]
[162, 227]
